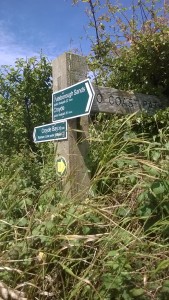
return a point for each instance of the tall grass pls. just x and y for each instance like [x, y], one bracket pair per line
[112, 244]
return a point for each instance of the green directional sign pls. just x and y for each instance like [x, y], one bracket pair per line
[73, 102]
[50, 132]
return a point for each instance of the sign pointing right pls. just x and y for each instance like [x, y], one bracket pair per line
[72, 102]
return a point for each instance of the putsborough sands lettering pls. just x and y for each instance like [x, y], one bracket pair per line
[60, 101]
[73, 102]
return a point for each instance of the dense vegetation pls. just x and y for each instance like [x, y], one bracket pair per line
[112, 244]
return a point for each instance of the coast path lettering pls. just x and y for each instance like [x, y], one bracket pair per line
[110, 100]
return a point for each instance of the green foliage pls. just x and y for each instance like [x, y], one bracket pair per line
[25, 102]
[131, 45]
[143, 66]
[112, 244]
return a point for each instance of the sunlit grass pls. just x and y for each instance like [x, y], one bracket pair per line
[113, 244]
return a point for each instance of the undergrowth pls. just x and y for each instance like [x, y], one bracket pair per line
[112, 245]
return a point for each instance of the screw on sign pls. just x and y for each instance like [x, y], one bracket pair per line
[61, 166]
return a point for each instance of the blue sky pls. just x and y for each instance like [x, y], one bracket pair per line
[53, 26]
[27, 26]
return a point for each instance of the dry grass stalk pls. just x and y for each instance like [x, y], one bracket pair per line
[8, 293]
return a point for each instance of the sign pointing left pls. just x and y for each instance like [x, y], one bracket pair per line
[50, 132]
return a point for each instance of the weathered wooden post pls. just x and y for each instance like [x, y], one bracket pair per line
[67, 70]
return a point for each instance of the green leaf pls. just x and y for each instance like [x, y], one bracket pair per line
[113, 253]
[112, 264]
[23, 222]
[167, 146]
[137, 292]
[86, 230]
[155, 155]
[157, 188]
[165, 289]
[166, 283]
[163, 265]
[49, 225]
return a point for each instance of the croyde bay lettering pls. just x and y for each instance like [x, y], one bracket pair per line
[54, 130]
[50, 132]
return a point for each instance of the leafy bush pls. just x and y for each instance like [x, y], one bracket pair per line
[25, 102]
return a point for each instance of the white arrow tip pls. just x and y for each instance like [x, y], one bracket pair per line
[91, 96]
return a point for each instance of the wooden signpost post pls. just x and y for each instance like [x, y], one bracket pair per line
[69, 69]
[73, 99]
